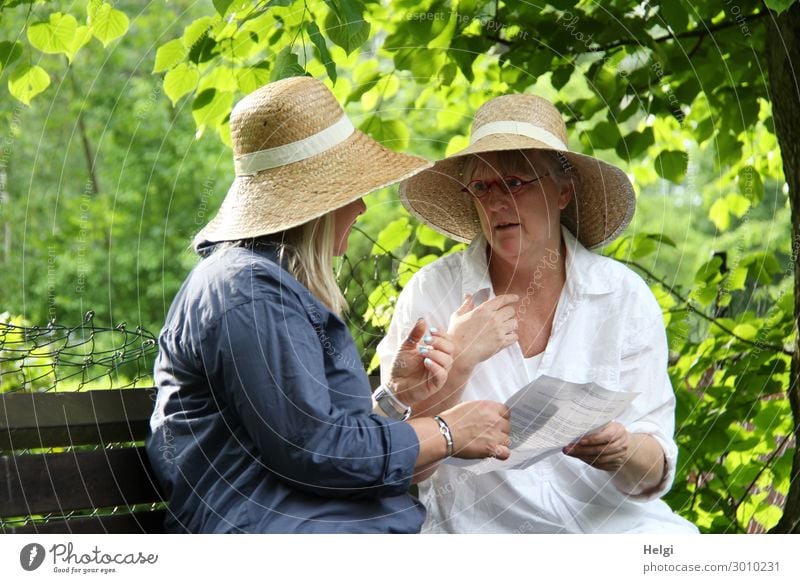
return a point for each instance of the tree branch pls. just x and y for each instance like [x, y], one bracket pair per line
[700, 33]
[712, 320]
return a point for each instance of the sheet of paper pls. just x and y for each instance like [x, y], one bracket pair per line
[546, 415]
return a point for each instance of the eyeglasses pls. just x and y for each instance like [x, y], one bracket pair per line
[509, 184]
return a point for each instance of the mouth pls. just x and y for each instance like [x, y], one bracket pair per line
[505, 225]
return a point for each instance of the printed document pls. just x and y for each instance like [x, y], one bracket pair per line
[547, 415]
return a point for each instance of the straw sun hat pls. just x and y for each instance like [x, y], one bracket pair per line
[297, 157]
[601, 207]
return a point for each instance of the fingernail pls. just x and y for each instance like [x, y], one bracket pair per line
[428, 362]
[427, 338]
[434, 330]
[423, 350]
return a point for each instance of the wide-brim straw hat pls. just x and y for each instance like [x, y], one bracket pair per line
[297, 157]
[600, 209]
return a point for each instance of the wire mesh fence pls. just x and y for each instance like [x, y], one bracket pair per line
[73, 358]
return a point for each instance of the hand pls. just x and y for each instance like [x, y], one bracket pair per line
[420, 369]
[606, 449]
[479, 429]
[480, 333]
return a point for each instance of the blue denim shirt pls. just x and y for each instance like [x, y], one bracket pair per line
[263, 421]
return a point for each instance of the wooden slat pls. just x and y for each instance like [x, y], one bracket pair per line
[139, 522]
[30, 420]
[62, 482]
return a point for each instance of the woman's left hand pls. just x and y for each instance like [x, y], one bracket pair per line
[605, 449]
[421, 365]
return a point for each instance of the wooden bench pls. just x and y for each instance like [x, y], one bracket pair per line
[94, 475]
[75, 463]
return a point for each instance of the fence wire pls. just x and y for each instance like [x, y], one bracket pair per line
[61, 357]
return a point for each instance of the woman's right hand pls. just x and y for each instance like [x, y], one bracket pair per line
[481, 332]
[479, 429]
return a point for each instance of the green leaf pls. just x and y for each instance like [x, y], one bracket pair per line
[322, 49]
[82, 36]
[9, 52]
[392, 236]
[54, 36]
[750, 184]
[347, 28]
[561, 75]
[737, 278]
[738, 205]
[746, 331]
[26, 82]
[779, 6]
[391, 133]
[675, 15]
[635, 144]
[195, 30]
[286, 65]
[251, 78]
[604, 135]
[719, 214]
[362, 87]
[168, 55]
[211, 107]
[106, 22]
[181, 80]
[671, 165]
[222, 6]
[381, 305]
[430, 238]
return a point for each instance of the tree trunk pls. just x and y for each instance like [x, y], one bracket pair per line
[783, 58]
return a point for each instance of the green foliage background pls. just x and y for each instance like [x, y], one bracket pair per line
[116, 150]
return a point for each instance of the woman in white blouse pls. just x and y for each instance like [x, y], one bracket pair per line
[527, 298]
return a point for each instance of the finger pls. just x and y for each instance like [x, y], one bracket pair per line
[415, 334]
[502, 452]
[439, 343]
[498, 302]
[509, 339]
[596, 451]
[597, 438]
[505, 412]
[441, 358]
[438, 372]
[467, 306]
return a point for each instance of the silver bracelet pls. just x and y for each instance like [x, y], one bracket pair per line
[390, 404]
[448, 437]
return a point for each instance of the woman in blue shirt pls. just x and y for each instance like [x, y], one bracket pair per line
[264, 420]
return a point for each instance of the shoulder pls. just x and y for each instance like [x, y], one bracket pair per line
[232, 280]
[447, 267]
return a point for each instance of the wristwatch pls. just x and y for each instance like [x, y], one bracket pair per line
[390, 404]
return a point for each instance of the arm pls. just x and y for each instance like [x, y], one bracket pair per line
[477, 334]
[639, 450]
[636, 459]
[271, 363]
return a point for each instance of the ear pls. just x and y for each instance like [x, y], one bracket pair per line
[565, 196]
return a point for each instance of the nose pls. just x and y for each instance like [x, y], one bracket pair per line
[361, 206]
[497, 198]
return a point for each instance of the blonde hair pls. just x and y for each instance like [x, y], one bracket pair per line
[308, 251]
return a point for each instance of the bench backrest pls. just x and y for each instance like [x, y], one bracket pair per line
[112, 477]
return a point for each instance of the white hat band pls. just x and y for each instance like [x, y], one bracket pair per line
[519, 128]
[314, 144]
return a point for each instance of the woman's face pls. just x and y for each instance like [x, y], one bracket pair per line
[528, 221]
[344, 219]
